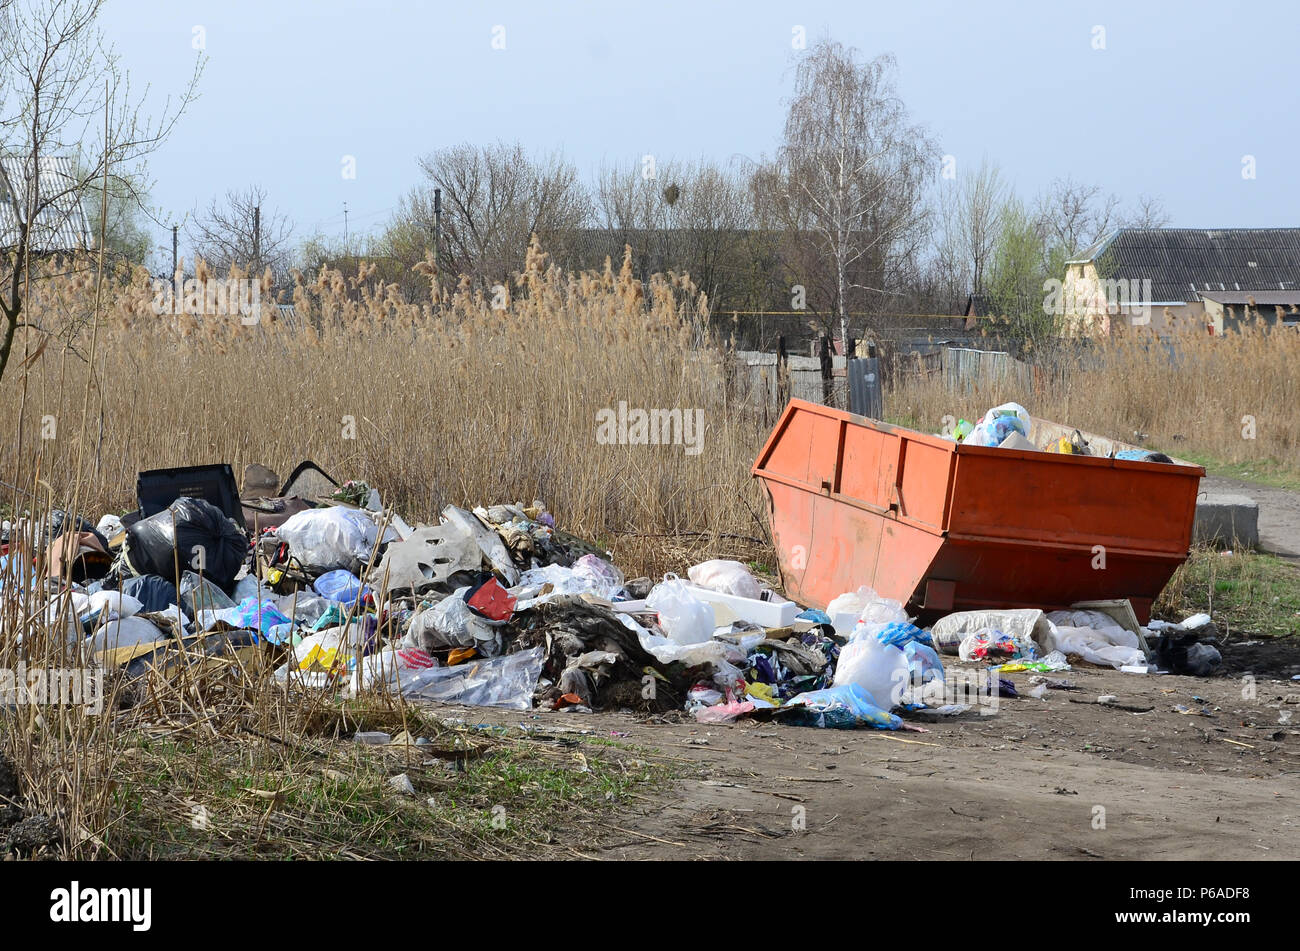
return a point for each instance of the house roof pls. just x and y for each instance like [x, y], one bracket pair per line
[1181, 263]
[61, 223]
[1258, 298]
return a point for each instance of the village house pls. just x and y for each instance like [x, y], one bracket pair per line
[1183, 280]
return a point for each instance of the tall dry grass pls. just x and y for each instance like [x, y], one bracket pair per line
[1230, 399]
[442, 400]
[468, 404]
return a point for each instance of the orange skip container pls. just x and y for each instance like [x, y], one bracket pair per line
[946, 527]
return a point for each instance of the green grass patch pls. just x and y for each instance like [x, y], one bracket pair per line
[1247, 594]
[1264, 471]
[494, 797]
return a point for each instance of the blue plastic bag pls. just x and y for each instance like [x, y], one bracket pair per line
[253, 616]
[340, 585]
[923, 663]
[901, 632]
[846, 707]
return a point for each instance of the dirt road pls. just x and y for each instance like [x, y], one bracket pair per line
[1049, 779]
[1279, 512]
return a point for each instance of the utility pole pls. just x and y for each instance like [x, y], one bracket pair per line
[257, 238]
[174, 230]
[345, 227]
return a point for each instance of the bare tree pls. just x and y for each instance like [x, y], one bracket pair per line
[676, 216]
[242, 229]
[983, 195]
[63, 95]
[1072, 217]
[494, 199]
[850, 171]
[1149, 212]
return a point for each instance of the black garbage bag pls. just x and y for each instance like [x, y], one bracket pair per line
[204, 541]
[1185, 653]
[60, 521]
[154, 593]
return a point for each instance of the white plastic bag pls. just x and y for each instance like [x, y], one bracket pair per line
[727, 577]
[1107, 646]
[683, 617]
[124, 632]
[117, 604]
[867, 606]
[851, 602]
[328, 538]
[880, 669]
[1023, 624]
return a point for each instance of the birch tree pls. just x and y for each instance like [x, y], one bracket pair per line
[851, 170]
[63, 94]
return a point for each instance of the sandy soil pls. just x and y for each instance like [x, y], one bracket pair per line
[1033, 781]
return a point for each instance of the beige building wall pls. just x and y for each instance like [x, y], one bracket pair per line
[1088, 308]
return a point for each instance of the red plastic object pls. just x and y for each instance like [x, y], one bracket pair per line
[491, 600]
[946, 527]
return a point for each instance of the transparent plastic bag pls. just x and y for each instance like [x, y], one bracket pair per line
[507, 681]
[335, 537]
[451, 623]
[601, 577]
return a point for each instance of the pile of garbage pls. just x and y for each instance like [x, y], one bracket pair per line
[498, 606]
[1009, 426]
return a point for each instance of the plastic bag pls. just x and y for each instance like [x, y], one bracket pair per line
[728, 577]
[199, 594]
[1023, 624]
[899, 633]
[923, 663]
[335, 537]
[999, 423]
[1098, 646]
[305, 608]
[602, 578]
[253, 615]
[842, 707]
[988, 645]
[879, 669]
[116, 603]
[125, 632]
[869, 607]
[153, 593]
[684, 618]
[202, 539]
[851, 602]
[723, 712]
[250, 587]
[507, 681]
[340, 585]
[451, 623]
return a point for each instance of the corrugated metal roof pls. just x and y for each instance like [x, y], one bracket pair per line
[61, 223]
[1260, 298]
[1182, 262]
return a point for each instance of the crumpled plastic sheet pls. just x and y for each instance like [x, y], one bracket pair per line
[507, 681]
[846, 707]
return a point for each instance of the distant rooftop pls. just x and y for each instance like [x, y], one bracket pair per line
[61, 223]
[1187, 264]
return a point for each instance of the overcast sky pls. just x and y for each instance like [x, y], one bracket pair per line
[1169, 107]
